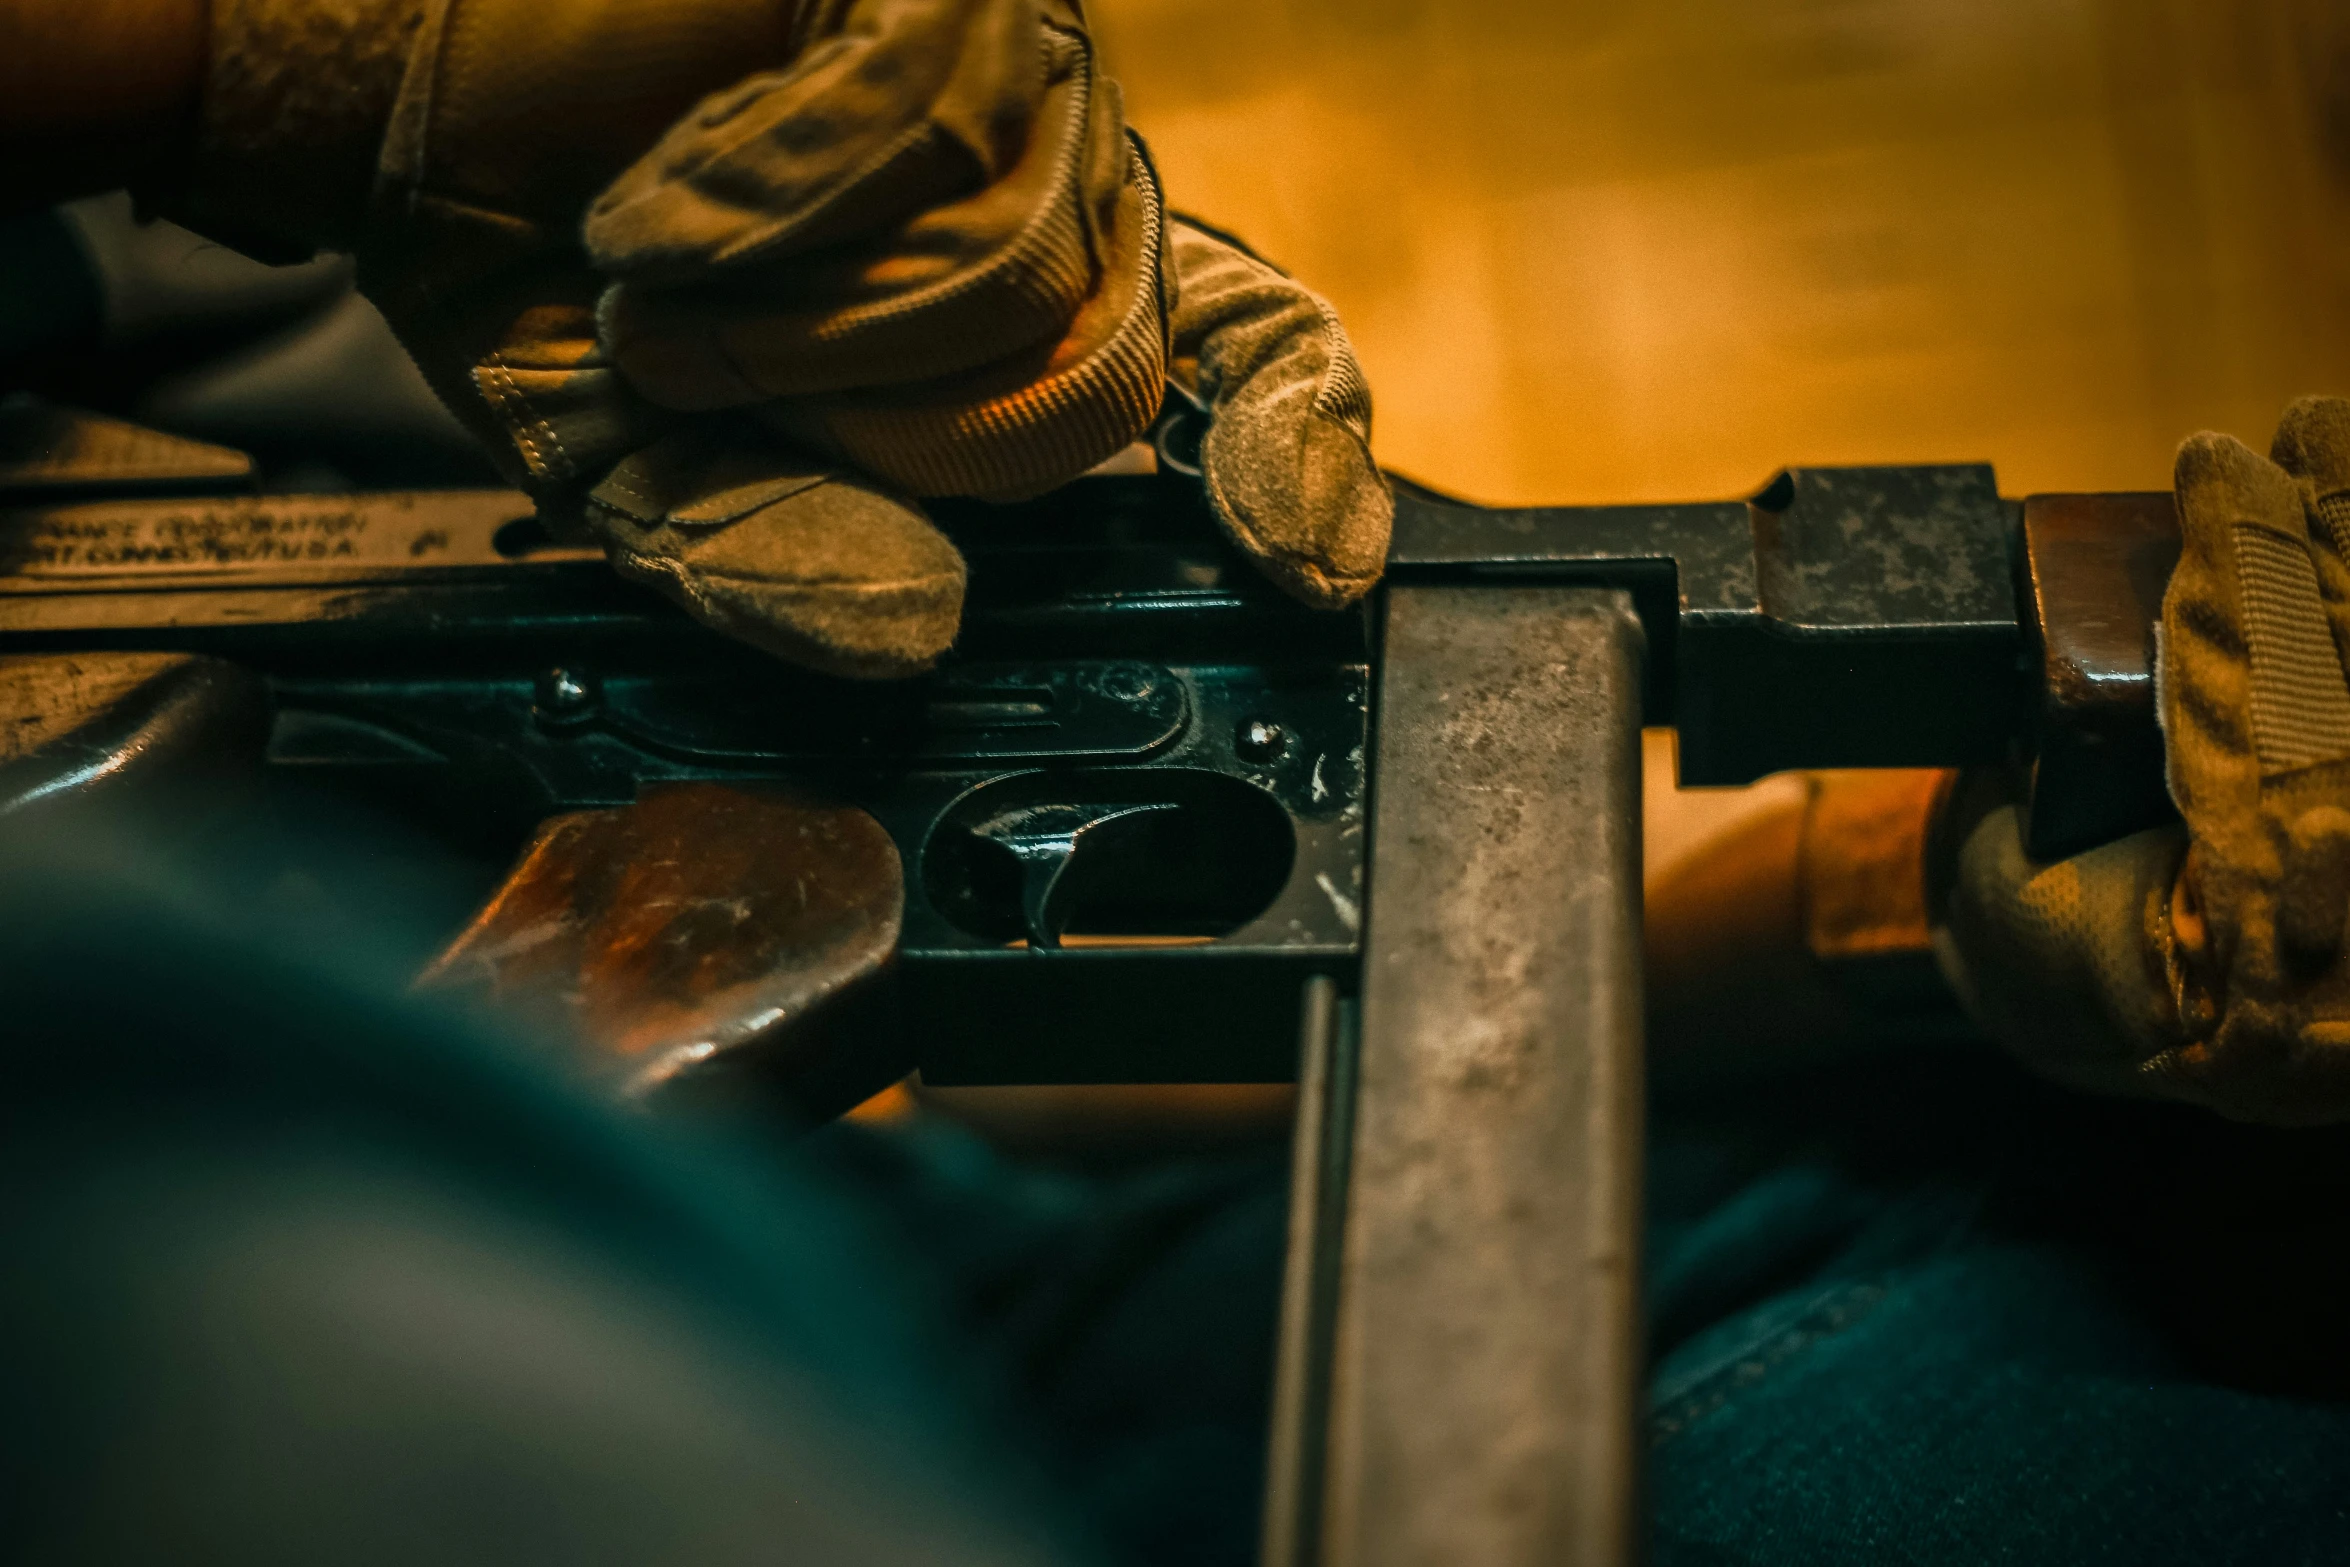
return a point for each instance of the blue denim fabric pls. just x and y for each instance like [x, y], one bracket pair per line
[1129, 1312]
[1933, 1312]
[296, 1269]
[1920, 1310]
[1923, 1310]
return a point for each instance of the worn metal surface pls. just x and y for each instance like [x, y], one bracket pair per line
[1482, 1403]
[701, 928]
[440, 657]
[1844, 617]
[2094, 570]
[1321, 1150]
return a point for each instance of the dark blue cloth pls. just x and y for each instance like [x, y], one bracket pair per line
[296, 1266]
[1131, 1312]
[1913, 1310]
[1931, 1311]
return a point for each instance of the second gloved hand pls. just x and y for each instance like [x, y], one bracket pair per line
[2207, 962]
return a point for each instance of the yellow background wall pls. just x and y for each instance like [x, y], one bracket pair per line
[1643, 249]
[1598, 250]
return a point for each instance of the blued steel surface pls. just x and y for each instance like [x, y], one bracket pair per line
[438, 656]
[1482, 1402]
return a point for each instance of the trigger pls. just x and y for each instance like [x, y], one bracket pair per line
[1064, 848]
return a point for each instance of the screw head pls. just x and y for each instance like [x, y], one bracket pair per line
[1260, 740]
[566, 695]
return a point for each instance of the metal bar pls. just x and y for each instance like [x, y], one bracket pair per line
[1486, 1360]
[1294, 1447]
[1319, 1153]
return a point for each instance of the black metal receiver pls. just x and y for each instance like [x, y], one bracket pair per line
[1136, 737]
[1151, 814]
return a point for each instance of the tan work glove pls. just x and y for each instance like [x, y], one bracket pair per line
[2206, 962]
[907, 247]
[1287, 456]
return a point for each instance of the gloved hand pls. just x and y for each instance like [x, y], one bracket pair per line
[1287, 457]
[2206, 962]
[897, 248]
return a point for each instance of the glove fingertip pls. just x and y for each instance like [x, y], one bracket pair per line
[2209, 454]
[1312, 510]
[2313, 442]
[822, 568]
[2223, 483]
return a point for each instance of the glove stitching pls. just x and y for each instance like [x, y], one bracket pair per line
[497, 400]
[513, 398]
[614, 482]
